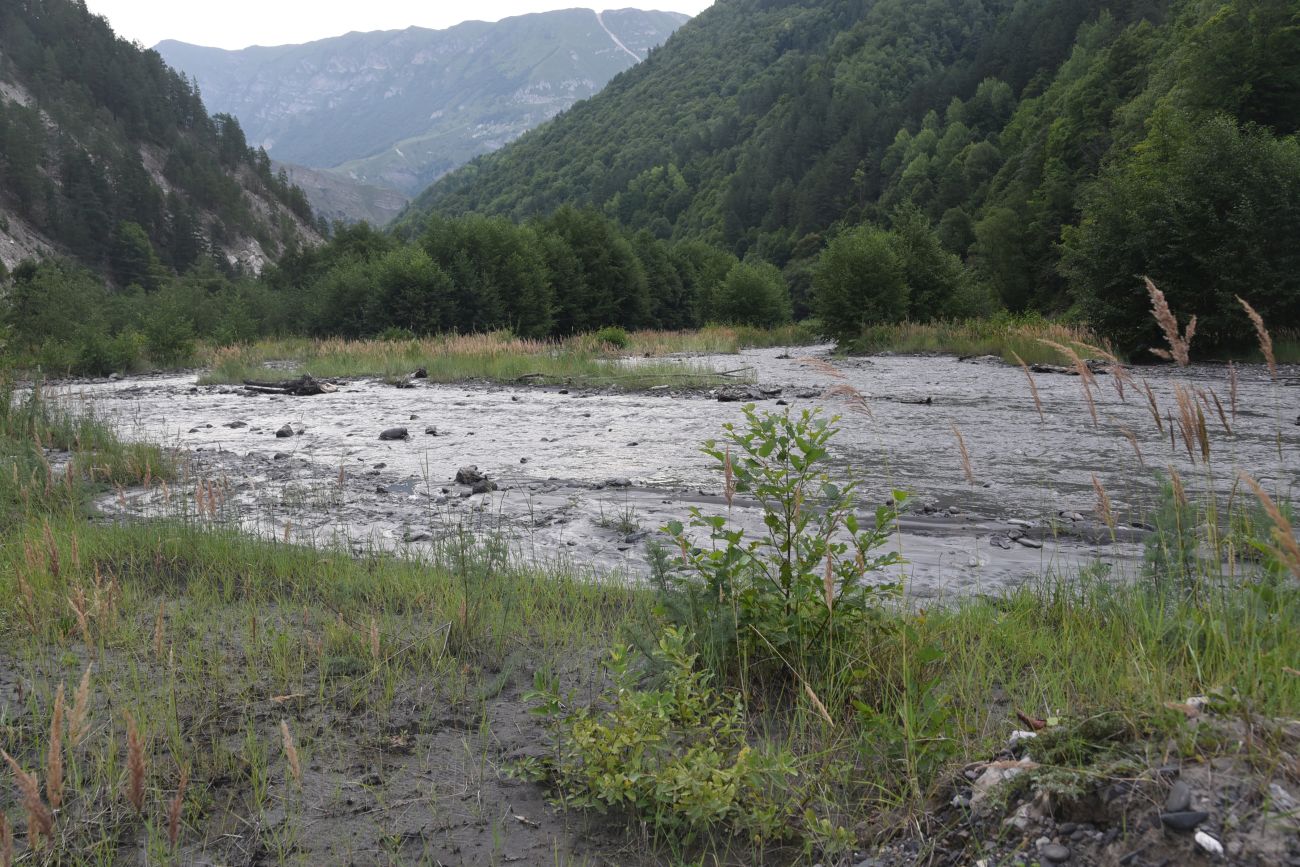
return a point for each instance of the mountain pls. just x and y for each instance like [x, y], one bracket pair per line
[108, 156]
[1029, 134]
[398, 109]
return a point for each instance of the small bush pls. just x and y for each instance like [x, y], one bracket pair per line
[674, 756]
[613, 336]
[781, 597]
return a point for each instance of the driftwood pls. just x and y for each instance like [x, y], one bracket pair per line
[303, 386]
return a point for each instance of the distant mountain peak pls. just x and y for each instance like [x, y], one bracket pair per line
[397, 109]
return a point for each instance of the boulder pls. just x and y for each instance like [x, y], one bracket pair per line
[469, 476]
[394, 433]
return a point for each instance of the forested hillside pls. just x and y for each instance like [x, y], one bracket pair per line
[1060, 148]
[108, 156]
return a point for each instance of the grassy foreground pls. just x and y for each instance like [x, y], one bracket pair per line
[173, 692]
[585, 360]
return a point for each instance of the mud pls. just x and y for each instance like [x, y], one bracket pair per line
[585, 478]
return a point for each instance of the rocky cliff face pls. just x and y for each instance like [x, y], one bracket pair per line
[398, 109]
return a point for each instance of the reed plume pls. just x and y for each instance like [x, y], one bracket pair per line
[828, 584]
[965, 455]
[134, 764]
[1179, 345]
[158, 630]
[1232, 388]
[1261, 333]
[40, 821]
[1033, 386]
[78, 719]
[1086, 378]
[54, 754]
[1284, 543]
[291, 753]
[6, 842]
[175, 807]
[1104, 508]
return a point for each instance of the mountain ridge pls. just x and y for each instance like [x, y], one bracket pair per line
[398, 108]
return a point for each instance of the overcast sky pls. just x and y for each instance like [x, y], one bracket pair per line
[240, 23]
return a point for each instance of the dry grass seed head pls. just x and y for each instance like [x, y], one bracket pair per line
[290, 753]
[1033, 386]
[135, 765]
[828, 583]
[78, 719]
[1132, 439]
[1283, 535]
[6, 842]
[40, 821]
[175, 807]
[1232, 389]
[1262, 335]
[963, 453]
[1104, 508]
[1180, 493]
[1086, 377]
[1179, 345]
[857, 402]
[54, 754]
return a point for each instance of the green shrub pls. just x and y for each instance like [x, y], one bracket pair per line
[674, 756]
[780, 598]
[613, 336]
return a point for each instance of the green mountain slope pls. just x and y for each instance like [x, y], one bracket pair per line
[398, 109]
[767, 126]
[109, 156]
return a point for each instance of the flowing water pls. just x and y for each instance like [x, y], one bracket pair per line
[587, 477]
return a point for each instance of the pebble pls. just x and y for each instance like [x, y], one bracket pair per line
[1184, 820]
[1028, 542]
[1180, 798]
[1055, 852]
[431, 431]
[285, 431]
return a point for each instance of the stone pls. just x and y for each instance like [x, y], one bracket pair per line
[1028, 542]
[483, 486]
[235, 425]
[284, 432]
[431, 431]
[1179, 799]
[1055, 852]
[1184, 820]
[395, 433]
[469, 476]
[618, 483]
[279, 456]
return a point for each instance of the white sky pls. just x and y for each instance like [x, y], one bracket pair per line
[240, 23]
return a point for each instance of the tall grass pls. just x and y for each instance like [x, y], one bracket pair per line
[1007, 338]
[584, 359]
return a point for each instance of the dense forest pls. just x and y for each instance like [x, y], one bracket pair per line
[109, 156]
[1058, 148]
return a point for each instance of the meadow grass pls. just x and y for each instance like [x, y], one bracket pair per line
[585, 360]
[1003, 337]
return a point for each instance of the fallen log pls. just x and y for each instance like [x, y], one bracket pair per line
[304, 386]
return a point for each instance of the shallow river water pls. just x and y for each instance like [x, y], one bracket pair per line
[586, 477]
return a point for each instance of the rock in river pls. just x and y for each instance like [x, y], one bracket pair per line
[483, 486]
[469, 476]
[395, 433]
[285, 431]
